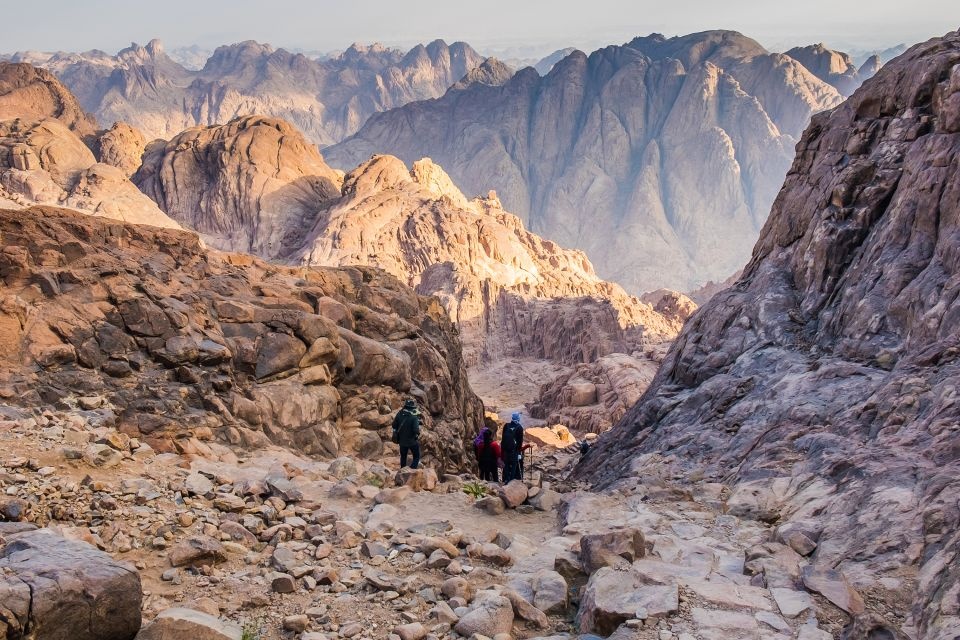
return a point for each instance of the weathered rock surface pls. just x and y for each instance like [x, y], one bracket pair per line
[252, 185]
[186, 344]
[511, 292]
[44, 162]
[121, 146]
[610, 134]
[177, 623]
[821, 383]
[56, 588]
[35, 94]
[327, 99]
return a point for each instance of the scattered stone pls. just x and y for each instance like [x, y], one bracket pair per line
[833, 586]
[491, 504]
[612, 597]
[790, 602]
[614, 548]
[513, 494]
[493, 615]
[296, 623]
[412, 631]
[550, 592]
[59, 588]
[197, 551]
[187, 623]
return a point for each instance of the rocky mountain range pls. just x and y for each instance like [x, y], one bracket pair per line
[596, 155]
[821, 385]
[413, 223]
[326, 99]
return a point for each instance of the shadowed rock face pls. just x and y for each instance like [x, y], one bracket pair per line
[823, 383]
[181, 341]
[659, 159]
[326, 99]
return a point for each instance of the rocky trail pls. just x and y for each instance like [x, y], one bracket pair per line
[267, 544]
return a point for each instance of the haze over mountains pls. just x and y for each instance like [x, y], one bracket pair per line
[327, 99]
[594, 155]
[660, 158]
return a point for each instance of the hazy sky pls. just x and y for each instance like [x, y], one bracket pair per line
[546, 24]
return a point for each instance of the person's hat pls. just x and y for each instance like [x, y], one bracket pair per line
[515, 417]
[410, 404]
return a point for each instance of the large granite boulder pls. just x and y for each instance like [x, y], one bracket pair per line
[57, 589]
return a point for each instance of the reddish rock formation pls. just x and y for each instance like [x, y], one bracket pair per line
[185, 344]
[822, 385]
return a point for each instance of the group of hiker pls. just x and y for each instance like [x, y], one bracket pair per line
[492, 456]
[506, 454]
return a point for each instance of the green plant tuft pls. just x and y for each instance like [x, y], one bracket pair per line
[476, 490]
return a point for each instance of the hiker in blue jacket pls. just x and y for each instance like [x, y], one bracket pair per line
[406, 433]
[511, 445]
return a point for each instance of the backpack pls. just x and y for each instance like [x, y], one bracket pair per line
[487, 456]
[509, 440]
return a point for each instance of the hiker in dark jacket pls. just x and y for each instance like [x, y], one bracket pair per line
[488, 457]
[406, 433]
[511, 444]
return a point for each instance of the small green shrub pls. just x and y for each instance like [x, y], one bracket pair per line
[476, 490]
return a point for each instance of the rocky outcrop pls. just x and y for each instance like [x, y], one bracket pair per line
[44, 162]
[252, 185]
[821, 384]
[835, 67]
[184, 344]
[326, 99]
[511, 292]
[56, 588]
[121, 146]
[36, 94]
[610, 134]
[592, 397]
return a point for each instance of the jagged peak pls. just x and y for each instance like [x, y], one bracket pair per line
[491, 72]
[431, 176]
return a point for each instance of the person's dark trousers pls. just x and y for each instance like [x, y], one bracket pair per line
[510, 468]
[489, 474]
[415, 450]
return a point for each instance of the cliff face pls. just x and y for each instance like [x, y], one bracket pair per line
[597, 155]
[184, 344]
[326, 99]
[822, 384]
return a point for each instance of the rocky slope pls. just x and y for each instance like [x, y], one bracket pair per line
[835, 67]
[43, 162]
[181, 344]
[43, 159]
[610, 134]
[326, 99]
[512, 293]
[822, 384]
[34, 94]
